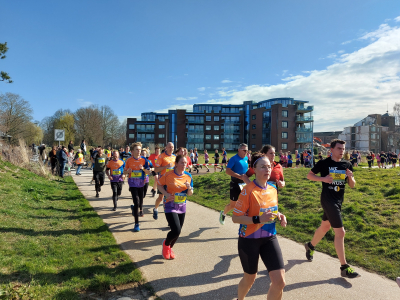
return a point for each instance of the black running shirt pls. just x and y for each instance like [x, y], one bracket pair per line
[333, 191]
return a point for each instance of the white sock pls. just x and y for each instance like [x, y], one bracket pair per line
[156, 209]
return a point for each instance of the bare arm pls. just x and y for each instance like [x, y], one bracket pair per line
[238, 176]
[350, 179]
[327, 179]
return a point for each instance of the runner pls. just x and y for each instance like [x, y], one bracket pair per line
[302, 158]
[398, 281]
[153, 158]
[108, 152]
[257, 211]
[165, 163]
[373, 157]
[378, 160]
[369, 159]
[224, 157]
[297, 158]
[137, 167]
[290, 160]
[99, 168]
[383, 159]
[237, 168]
[206, 160]
[175, 186]
[126, 154]
[115, 172]
[334, 174]
[79, 161]
[53, 159]
[147, 179]
[189, 161]
[394, 159]
[276, 176]
[216, 161]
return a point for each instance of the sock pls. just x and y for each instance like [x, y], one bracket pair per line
[156, 209]
[311, 246]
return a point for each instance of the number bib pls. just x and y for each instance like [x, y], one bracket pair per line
[241, 185]
[273, 209]
[180, 198]
[168, 170]
[101, 160]
[116, 172]
[136, 174]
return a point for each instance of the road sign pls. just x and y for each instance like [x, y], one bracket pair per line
[59, 135]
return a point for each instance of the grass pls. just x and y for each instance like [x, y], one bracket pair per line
[371, 214]
[53, 245]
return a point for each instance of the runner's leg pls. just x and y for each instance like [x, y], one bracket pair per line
[339, 244]
[135, 197]
[320, 232]
[175, 222]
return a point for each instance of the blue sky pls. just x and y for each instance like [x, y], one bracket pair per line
[138, 56]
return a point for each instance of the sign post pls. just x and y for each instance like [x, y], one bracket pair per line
[59, 135]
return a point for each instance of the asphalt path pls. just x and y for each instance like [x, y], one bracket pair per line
[207, 264]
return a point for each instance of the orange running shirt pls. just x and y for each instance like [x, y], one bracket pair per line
[116, 169]
[137, 177]
[163, 160]
[254, 201]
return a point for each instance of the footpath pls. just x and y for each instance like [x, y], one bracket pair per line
[207, 265]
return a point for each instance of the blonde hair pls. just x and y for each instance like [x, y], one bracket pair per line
[137, 144]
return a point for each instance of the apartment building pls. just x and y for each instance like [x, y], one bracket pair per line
[285, 123]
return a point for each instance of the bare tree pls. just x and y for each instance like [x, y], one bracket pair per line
[48, 124]
[109, 124]
[15, 113]
[88, 125]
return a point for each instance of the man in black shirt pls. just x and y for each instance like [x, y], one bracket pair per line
[335, 172]
[369, 159]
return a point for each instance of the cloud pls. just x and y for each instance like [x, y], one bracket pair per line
[201, 89]
[83, 103]
[341, 51]
[226, 81]
[346, 42]
[355, 85]
[397, 19]
[187, 98]
[332, 55]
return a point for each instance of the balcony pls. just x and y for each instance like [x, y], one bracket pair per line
[144, 129]
[303, 109]
[304, 119]
[195, 130]
[303, 129]
[145, 140]
[231, 122]
[230, 140]
[231, 131]
[195, 121]
[303, 140]
[195, 140]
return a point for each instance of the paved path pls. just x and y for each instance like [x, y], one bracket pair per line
[207, 265]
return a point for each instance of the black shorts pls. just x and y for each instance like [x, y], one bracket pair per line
[234, 191]
[207, 161]
[332, 213]
[269, 250]
[99, 177]
[117, 187]
[297, 163]
[224, 160]
[289, 164]
[216, 161]
[394, 161]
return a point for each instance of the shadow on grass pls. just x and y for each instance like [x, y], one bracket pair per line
[32, 232]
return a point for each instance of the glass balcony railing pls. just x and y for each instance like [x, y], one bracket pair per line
[237, 131]
[145, 140]
[195, 130]
[144, 129]
[305, 108]
[195, 121]
[303, 129]
[230, 140]
[304, 119]
[303, 140]
[195, 140]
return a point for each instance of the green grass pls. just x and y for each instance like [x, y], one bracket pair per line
[371, 214]
[53, 245]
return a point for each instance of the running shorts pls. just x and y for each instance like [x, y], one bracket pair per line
[216, 161]
[289, 165]
[207, 161]
[224, 160]
[234, 191]
[394, 161]
[332, 213]
[267, 248]
[117, 187]
[297, 163]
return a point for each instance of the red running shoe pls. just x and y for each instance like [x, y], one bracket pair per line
[166, 250]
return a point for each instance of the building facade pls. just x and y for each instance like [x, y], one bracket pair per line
[285, 123]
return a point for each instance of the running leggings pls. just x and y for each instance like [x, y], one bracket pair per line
[175, 222]
[145, 187]
[116, 189]
[137, 197]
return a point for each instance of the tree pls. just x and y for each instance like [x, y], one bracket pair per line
[88, 125]
[396, 112]
[109, 124]
[48, 125]
[66, 122]
[15, 113]
[33, 133]
[3, 75]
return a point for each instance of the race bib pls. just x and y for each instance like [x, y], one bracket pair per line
[116, 172]
[273, 209]
[168, 170]
[101, 160]
[338, 175]
[136, 174]
[180, 198]
[241, 185]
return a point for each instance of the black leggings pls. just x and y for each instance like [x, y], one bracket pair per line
[175, 222]
[137, 197]
[116, 189]
[145, 187]
[98, 180]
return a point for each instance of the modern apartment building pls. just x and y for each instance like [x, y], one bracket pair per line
[285, 123]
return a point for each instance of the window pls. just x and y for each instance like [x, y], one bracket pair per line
[161, 126]
[266, 125]
[160, 144]
[208, 127]
[216, 118]
[216, 146]
[216, 137]
[253, 136]
[208, 146]
[284, 124]
[208, 136]
[284, 113]
[131, 126]
[131, 135]
[266, 114]
[161, 136]
[253, 117]
[284, 135]
[208, 118]
[216, 127]
[284, 146]
[253, 146]
[253, 126]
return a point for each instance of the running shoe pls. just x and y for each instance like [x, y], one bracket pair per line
[398, 281]
[222, 217]
[155, 214]
[348, 272]
[171, 253]
[153, 192]
[114, 209]
[97, 195]
[222, 169]
[309, 252]
[136, 228]
[141, 213]
[208, 170]
[166, 251]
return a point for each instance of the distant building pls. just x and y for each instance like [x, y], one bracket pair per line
[285, 123]
[374, 133]
[327, 136]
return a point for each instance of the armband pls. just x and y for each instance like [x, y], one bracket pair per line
[256, 219]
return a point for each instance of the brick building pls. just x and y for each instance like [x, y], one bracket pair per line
[283, 122]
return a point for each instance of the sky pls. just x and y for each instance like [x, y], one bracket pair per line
[140, 56]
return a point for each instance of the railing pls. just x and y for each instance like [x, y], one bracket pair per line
[228, 140]
[231, 122]
[304, 119]
[231, 131]
[145, 140]
[197, 121]
[195, 130]
[195, 140]
[305, 108]
[303, 129]
[304, 140]
[144, 129]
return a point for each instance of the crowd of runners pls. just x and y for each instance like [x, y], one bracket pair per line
[255, 182]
